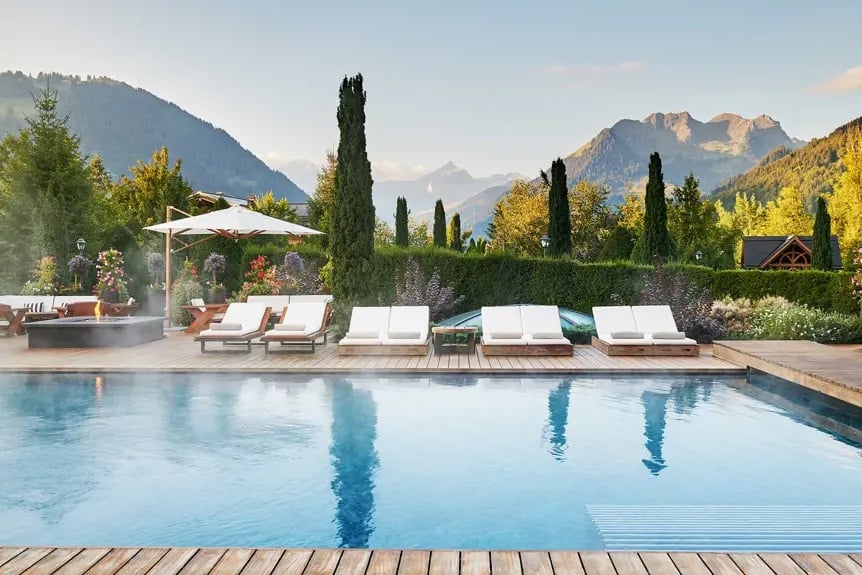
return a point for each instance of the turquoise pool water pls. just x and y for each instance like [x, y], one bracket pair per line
[425, 462]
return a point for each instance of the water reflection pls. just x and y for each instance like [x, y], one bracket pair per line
[354, 461]
[558, 418]
[685, 398]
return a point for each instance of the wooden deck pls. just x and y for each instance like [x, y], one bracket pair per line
[187, 561]
[832, 370]
[179, 353]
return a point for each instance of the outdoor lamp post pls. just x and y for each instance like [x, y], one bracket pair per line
[81, 244]
[545, 241]
[698, 255]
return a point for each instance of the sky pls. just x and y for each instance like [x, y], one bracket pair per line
[494, 87]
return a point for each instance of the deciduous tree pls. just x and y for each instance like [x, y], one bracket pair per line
[321, 204]
[845, 203]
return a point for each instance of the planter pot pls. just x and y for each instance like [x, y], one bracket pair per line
[217, 295]
[110, 297]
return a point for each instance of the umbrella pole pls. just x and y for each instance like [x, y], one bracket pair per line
[168, 239]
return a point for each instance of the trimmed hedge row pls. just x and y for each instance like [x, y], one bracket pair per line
[499, 279]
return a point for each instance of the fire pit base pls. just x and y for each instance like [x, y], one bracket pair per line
[90, 332]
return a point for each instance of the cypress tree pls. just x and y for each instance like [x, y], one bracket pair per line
[352, 231]
[402, 235]
[655, 239]
[455, 242]
[439, 233]
[821, 246]
[559, 216]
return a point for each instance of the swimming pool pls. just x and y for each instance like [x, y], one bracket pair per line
[545, 462]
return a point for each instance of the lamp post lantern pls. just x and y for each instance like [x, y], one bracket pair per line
[545, 240]
[81, 244]
[698, 255]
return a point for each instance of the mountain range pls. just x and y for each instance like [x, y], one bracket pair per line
[125, 124]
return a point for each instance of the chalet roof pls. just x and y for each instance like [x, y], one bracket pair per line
[757, 249]
[301, 209]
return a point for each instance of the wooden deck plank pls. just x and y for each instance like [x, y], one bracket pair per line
[597, 563]
[323, 562]
[689, 564]
[658, 563]
[842, 564]
[505, 563]
[113, 561]
[203, 561]
[720, 564]
[22, 561]
[293, 562]
[751, 564]
[7, 553]
[232, 562]
[475, 563]
[263, 562]
[812, 563]
[536, 563]
[173, 561]
[142, 562]
[82, 561]
[566, 563]
[628, 564]
[414, 562]
[444, 562]
[52, 561]
[384, 562]
[353, 562]
[781, 563]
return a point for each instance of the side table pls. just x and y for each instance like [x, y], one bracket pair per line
[442, 333]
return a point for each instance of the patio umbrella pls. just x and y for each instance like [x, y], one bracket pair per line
[235, 222]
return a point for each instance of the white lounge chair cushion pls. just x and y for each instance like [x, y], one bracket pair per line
[403, 335]
[247, 315]
[491, 341]
[226, 326]
[626, 335]
[646, 340]
[668, 335]
[311, 298]
[541, 319]
[408, 319]
[360, 335]
[654, 318]
[545, 335]
[501, 325]
[504, 335]
[614, 319]
[289, 327]
[685, 341]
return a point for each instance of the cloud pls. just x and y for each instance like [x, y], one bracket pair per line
[847, 81]
[390, 170]
[590, 76]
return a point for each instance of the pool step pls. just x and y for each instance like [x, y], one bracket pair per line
[729, 528]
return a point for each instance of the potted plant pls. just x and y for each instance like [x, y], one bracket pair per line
[79, 266]
[110, 282]
[215, 264]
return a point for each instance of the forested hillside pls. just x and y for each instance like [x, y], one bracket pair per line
[125, 124]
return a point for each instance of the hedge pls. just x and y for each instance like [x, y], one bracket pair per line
[499, 279]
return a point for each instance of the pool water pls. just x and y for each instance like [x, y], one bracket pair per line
[543, 462]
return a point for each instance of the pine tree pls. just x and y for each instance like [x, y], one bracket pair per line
[821, 247]
[456, 243]
[439, 232]
[352, 241]
[560, 223]
[402, 233]
[655, 241]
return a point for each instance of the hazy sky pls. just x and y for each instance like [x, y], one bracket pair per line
[493, 86]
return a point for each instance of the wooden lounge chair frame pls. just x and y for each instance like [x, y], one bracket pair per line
[287, 341]
[236, 339]
[421, 349]
[525, 349]
[663, 350]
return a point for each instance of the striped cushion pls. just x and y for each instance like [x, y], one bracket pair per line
[33, 307]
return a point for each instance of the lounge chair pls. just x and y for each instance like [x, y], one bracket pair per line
[242, 323]
[618, 333]
[408, 331]
[656, 321]
[543, 331]
[276, 302]
[367, 326]
[301, 324]
[502, 331]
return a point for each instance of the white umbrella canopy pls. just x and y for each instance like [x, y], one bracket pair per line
[235, 222]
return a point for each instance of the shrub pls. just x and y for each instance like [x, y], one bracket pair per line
[156, 269]
[261, 279]
[856, 279]
[185, 288]
[579, 334]
[414, 289]
[45, 280]
[691, 303]
[300, 275]
[802, 322]
[110, 277]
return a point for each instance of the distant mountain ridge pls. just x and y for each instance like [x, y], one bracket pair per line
[812, 168]
[726, 145]
[125, 124]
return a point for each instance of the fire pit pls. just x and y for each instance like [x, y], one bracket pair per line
[95, 332]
